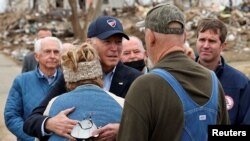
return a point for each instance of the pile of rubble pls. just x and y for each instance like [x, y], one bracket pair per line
[237, 21]
[17, 30]
[238, 25]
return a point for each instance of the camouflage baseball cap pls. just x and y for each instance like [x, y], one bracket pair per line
[159, 18]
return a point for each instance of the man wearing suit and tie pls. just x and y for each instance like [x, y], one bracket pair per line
[105, 34]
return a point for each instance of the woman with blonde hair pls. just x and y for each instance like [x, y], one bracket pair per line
[94, 107]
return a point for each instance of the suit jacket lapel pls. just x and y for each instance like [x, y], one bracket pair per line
[118, 83]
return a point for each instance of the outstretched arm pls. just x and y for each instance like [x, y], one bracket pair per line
[33, 124]
[107, 133]
[61, 124]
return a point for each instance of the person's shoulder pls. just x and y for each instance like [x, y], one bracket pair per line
[25, 75]
[118, 99]
[149, 79]
[27, 60]
[234, 73]
[22, 79]
[29, 55]
[67, 95]
[148, 85]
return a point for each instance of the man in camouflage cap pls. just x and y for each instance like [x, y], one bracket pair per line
[161, 112]
[159, 19]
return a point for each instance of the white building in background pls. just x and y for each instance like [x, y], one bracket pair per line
[3, 5]
[44, 6]
[207, 3]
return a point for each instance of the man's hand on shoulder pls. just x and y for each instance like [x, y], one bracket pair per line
[61, 124]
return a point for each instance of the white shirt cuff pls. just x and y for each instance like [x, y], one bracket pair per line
[42, 128]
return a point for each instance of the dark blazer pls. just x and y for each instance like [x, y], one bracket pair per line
[29, 62]
[122, 79]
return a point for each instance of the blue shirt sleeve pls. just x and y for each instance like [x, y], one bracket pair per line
[13, 113]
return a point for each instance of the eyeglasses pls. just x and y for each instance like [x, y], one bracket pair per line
[83, 129]
[86, 124]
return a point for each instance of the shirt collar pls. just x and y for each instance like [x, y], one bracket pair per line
[113, 71]
[220, 63]
[43, 75]
[107, 79]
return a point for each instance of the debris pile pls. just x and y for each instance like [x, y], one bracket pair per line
[17, 30]
[237, 21]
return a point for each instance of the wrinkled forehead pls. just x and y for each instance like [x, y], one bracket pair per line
[45, 42]
[133, 42]
[43, 34]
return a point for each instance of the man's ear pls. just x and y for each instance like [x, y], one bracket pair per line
[36, 55]
[151, 38]
[223, 46]
[185, 36]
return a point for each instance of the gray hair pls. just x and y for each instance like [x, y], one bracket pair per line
[38, 43]
[138, 40]
[93, 40]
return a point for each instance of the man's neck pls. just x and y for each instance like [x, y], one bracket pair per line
[107, 70]
[48, 72]
[169, 50]
[209, 65]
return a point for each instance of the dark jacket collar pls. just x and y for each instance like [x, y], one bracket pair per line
[219, 68]
[122, 79]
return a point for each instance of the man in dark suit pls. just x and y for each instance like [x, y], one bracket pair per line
[29, 61]
[105, 34]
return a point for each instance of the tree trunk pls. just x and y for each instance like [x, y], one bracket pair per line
[80, 33]
[90, 16]
[75, 20]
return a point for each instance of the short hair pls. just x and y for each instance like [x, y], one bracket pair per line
[161, 17]
[38, 43]
[42, 28]
[212, 24]
[139, 41]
